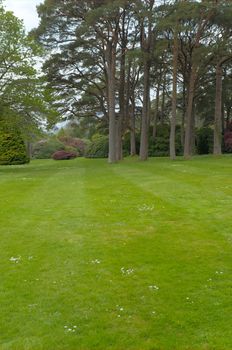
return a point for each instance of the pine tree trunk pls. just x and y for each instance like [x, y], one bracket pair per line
[156, 112]
[122, 89]
[217, 146]
[174, 96]
[183, 113]
[189, 114]
[111, 66]
[145, 113]
[163, 101]
[132, 129]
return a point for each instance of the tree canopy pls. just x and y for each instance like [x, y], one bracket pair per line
[111, 58]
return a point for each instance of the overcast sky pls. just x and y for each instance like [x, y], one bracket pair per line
[24, 9]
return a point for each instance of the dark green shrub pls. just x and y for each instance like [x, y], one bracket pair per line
[12, 148]
[44, 149]
[126, 144]
[204, 141]
[98, 148]
[160, 146]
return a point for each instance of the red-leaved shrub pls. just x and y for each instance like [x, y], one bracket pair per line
[63, 155]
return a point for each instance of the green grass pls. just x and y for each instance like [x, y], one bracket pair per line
[137, 256]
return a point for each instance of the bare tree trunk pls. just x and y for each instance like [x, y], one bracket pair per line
[111, 67]
[183, 113]
[217, 146]
[122, 87]
[163, 101]
[146, 42]
[145, 113]
[156, 112]
[174, 97]
[189, 114]
[132, 129]
[191, 90]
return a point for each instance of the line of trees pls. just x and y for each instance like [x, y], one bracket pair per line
[24, 96]
[140, 63]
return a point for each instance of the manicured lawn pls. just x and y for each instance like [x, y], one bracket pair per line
[132, 256]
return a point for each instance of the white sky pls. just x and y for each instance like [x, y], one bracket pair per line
[25, 10]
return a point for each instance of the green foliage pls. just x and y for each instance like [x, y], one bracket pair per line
[12, 147]
[44, 149]
[98, 148]
[22, 92]
[204, 141]
[160, 147]
[126, 144]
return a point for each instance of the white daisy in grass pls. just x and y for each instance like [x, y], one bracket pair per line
[145, 207]
[70, 329]
[125, 271]
[153, 287]
[16, 260]
[96, 261]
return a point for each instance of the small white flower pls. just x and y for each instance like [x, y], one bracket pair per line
[146, 207]
[127, 271]
[154, 287]
[96, 261]
[15, 259]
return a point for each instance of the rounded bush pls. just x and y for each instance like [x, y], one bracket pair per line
[12, 148]
[64, 155]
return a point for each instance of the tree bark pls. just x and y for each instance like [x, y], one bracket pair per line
[156, 112]
[122, 89]
[217, 145]
[146, 43]
[145, 113]
[189, 114]
[132, 129]
[111, 68]
[174, 97]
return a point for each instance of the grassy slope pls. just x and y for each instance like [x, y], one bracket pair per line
[76, 224]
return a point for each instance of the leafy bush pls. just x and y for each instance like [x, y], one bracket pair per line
[75, 143]
[12, 148]
[44, 149]
[126, 144]
[98, 148]
[160, 146]
[64, 155]
[204, 141]
[228, 141]
[228, 138]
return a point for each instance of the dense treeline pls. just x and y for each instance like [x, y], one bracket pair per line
[135, 65]
[24, 96]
